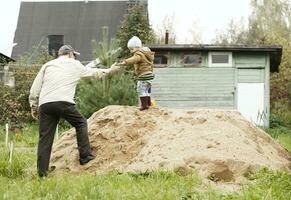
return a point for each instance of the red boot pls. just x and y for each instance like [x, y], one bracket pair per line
[144, 103]
[149, 101]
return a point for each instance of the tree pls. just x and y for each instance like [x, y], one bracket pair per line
[107, 52]
[135, 23]
[235, 33]
[117, 89]
[167, 25]
[195, 32]
[268, 17]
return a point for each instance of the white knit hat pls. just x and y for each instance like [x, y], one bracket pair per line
[134, 42]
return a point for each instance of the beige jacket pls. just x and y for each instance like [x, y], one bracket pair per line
[57, 80]
[142, 60]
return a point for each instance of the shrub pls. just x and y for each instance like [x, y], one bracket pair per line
[14, 106]
[90, 93]
[117, 89]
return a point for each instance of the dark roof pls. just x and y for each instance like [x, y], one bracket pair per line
[78, 21]
[5, 59]
[275, 51]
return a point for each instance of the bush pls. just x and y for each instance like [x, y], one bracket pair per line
[117, 89]
[92, 96]
[14, 106]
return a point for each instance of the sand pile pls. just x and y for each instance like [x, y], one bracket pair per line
[217, 144]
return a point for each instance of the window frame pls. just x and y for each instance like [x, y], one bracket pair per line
[211, 64]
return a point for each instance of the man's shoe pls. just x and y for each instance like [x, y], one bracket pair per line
[86, 159]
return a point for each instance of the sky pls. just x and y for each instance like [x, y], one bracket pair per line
[208, 15]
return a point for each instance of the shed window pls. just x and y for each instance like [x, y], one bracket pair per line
[161, 60]
[220, 59]
[192, 59]
[54, 44]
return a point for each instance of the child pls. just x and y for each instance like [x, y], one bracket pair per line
[142, 60]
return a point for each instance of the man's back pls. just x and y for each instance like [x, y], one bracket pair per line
[60, 79]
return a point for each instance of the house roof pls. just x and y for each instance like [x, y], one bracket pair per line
[275, 51]
[5, 59]
[79, 21]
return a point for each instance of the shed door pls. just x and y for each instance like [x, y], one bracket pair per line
[194, 87]
[250, 101]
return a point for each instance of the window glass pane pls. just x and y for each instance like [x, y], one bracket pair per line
[192, 59]
[160, 60]
[54, 43]
[220, 58]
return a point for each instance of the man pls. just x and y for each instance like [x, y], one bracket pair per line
[52, 97]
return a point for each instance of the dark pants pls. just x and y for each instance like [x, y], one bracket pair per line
[49, 116]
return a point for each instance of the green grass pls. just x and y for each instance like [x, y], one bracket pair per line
[157, 185]
[18, 179]
[281, 135]
[265, 184]
[27, 137]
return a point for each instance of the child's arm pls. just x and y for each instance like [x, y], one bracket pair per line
[130, 61]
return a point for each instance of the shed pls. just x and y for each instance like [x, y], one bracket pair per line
[5, 59]
[6, 76]
[232, 77]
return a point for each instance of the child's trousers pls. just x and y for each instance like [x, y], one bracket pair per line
[144, 88]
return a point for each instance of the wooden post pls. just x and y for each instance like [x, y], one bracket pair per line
[10, 152]
[6, 136]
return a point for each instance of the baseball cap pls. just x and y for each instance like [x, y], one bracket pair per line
[65, 49]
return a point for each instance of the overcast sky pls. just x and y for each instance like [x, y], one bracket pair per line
[210, 15]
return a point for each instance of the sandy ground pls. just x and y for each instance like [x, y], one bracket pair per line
[218, 145]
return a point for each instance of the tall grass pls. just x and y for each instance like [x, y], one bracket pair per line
[271, 185]
[156, 185]
[22, 161]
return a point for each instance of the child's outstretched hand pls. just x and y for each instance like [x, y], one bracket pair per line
[121, 63]
[114, 67]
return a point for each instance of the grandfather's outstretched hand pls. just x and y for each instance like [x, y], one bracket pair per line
[114, 67]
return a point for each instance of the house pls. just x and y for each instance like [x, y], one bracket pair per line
[5, 59]
[213, 76]
[77, 23]
[6, 76]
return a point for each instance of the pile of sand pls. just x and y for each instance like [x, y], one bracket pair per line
[217, 144]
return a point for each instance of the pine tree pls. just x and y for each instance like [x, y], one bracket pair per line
[135, 23]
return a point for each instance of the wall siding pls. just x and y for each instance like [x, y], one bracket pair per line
[251, 75]
[194, 87]
[250, 60]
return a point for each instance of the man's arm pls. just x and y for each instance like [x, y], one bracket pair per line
[35, 91]
[97, 72]
[94, 63]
